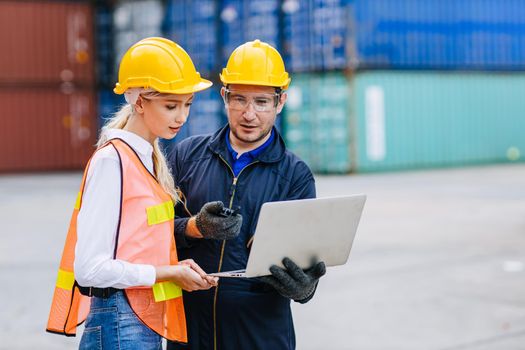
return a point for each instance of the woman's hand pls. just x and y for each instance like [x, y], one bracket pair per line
[195, 267]
[187, 275]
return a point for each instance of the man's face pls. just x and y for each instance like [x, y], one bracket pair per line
[251, 111]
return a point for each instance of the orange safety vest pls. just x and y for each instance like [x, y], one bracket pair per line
[145, 236]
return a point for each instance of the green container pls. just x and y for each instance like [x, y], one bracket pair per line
[316, 121]
[430, 119]
[389, 120]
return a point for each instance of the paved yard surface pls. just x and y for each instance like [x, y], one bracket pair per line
[438, 262]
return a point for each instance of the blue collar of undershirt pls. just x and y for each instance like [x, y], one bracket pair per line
[247, 157]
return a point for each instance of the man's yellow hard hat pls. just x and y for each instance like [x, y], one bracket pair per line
[256, 63]
[159, 64]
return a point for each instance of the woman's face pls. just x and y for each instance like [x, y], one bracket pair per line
[164, 115]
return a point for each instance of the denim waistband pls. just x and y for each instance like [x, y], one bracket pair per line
[118, 300]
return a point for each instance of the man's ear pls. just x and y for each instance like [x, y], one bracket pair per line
[223, 91]
[282, 101]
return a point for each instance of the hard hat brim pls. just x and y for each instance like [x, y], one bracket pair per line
[203, 84]
[283, 86]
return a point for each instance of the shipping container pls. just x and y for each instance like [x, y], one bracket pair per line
[420, 119]
[46, 128]
[104, 45]
[46, 43]
[131, 15]
[445, 34]
[193, 24]
[243, 21]
[316, 34]
[404, 34]
[317, 121]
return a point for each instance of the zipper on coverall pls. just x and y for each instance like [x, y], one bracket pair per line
[232, 195]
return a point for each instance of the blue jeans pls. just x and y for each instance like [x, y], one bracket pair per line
[112, 324]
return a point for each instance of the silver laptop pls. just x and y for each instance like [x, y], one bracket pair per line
[306, 231]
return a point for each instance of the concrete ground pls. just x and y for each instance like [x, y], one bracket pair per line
[438, 262]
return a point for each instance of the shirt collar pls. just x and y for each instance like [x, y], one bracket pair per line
[139, 144]
[274, 153]
[254, 152]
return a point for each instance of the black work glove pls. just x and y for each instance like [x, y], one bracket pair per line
[293, 282]
[214, 226]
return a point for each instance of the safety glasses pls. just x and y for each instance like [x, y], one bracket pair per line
[261, 102]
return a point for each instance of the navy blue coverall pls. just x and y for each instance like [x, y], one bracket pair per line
[239, 313]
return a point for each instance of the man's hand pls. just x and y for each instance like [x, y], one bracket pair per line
[293, 282]
[212, 225]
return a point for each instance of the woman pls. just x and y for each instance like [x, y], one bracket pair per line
[120, 244]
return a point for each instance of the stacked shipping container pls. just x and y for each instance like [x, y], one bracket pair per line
[316, 36]
[445, 34]
[316, 121]
[134, 20]
[418, 115]
[193, 24]
[243, 21]
[417, 120]
[370, 89]
[104, 45]
[119, 25]
[46, 85]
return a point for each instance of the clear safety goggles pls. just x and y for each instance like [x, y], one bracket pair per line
[261, 102]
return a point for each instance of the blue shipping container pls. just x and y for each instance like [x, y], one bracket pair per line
[193, 25]
[404, 34]
[104, 45]
[316, 34]
[444, 34]
[243, 20]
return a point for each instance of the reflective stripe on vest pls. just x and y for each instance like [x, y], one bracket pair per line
[145, 236]
[65, 279]
[160, 213]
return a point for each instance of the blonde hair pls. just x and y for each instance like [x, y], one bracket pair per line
[160, 165]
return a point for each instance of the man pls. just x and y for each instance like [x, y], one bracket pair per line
[245, 164]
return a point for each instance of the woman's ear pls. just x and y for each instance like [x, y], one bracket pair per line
[139, 108]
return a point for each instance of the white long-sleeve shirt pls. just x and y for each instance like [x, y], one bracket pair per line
[98, 219]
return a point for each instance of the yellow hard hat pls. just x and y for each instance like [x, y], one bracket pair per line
[160, 64]
[256, 63]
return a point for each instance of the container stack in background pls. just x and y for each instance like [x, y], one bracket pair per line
[106, 73]
[377, 85]
[193, 24]
[242, 21]
[454, 98]
[429, 83]
[134, 20]
[120, 24]
[46, 85]
[317, 116]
